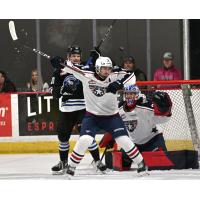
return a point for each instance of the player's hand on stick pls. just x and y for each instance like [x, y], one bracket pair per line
[114, 87]
[55, 62]
[95, 53]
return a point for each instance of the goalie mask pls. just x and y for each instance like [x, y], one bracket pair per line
[103, 62]
[131, 94]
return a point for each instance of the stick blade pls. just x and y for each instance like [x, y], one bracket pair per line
[13, 34]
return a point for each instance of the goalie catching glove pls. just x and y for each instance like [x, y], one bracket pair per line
[162, 104]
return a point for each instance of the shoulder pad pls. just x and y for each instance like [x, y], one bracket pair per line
[78, 65]
[85, 67]
[118, 69]
[88, 68]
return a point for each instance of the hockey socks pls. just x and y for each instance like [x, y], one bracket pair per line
[75, 159]
[94, 151]
[63, 150]
[79, 150]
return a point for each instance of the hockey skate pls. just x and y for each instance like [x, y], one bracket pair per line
[142, 169]
[60, 168]
[100, 166]
[70, 171]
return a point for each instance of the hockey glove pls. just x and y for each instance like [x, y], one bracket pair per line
[55, 62]
[94, 54]
[114, 87]
[162, 104]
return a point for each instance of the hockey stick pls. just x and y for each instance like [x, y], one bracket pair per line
[13, 34]
[106, 34]
[102, 40]
[104, 153]
[16, 40]
[77, 70]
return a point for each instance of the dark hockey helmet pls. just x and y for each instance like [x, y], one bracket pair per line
[75, 50]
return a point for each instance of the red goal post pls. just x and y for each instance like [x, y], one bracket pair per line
[183, 129]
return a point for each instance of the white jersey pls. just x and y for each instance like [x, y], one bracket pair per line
[97, 101]
[141, 123]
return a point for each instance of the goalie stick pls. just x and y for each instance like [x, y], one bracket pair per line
[13, 34]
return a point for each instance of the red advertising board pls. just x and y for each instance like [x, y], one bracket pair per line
[5, 115]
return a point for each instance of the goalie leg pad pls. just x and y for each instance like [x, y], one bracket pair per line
[121, 161]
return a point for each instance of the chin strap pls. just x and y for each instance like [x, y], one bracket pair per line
[99, 77]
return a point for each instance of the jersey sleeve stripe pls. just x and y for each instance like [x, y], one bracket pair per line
[129, 78]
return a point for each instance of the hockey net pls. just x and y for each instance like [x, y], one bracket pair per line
[182, 131]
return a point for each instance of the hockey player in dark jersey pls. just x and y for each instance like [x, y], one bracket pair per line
[69, 91]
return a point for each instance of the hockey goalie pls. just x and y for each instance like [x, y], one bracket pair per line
[141, 117]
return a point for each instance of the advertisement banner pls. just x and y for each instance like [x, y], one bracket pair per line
[37, 114]
[5, 115]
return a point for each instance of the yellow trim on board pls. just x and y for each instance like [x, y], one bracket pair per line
[175, 145]
[52, 147]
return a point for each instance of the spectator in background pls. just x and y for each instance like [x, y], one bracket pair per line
[34, 85]
[129, 65]
[168, 71]
[5, 84]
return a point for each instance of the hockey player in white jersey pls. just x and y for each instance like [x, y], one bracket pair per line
[142, 117]
[100, 87]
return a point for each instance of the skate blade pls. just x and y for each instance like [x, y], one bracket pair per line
[69, 177]
[58, 173]
[101, 172]
[142, 174]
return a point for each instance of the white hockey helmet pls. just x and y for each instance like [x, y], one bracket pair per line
[103, 62]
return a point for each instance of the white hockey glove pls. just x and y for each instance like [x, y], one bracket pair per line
[65, 70]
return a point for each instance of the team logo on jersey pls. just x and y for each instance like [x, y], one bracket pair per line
[97, 90]
[130, 125]
[71, 81]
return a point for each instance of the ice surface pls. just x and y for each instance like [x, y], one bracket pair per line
[38, 166]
